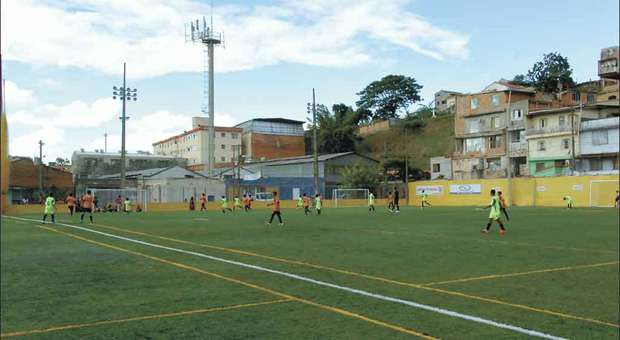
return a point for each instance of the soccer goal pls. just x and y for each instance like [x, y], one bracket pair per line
[107, 197]
[350, 197]
[603, 192]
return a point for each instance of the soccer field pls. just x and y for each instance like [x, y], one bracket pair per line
[344, 274]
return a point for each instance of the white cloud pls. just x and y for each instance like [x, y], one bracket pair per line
[17, 97]
[75, 114]
[27, 144]
[148, 34]
[48, 83]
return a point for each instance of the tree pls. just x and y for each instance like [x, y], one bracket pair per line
[389, 96]
[521, 79]
[60, 163]
[361, 177]
[338, 130]
[551, 74]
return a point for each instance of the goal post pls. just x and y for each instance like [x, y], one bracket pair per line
[350, 197]
[107, 197]
[603, 192]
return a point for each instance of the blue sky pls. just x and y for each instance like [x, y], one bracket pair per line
[61, 63]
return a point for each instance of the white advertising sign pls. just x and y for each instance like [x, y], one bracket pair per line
[577, 187]
[541, 188]
[465, 189]
[429, 189]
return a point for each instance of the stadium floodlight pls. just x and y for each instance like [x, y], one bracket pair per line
[124, 94]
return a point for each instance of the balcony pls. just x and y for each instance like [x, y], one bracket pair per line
[609, 69]
[549, 130]
[600, 124]
[517, 149]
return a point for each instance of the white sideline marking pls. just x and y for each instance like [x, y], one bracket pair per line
[321, 283]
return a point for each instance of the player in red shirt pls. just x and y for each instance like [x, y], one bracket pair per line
[203, 202]
[275, 210]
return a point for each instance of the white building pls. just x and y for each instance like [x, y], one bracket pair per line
[174, 184]
[599, 146]
[441, 168]
[193, 145]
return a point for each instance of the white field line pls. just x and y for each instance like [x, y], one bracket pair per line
[321, 283]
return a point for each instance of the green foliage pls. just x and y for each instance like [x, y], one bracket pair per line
[551, 73]
[60, 163]
[337, 129]
[361, 176]
[389, 96]
[521, 79]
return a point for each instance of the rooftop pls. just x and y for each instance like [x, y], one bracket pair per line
[118, 155]
[274, 120]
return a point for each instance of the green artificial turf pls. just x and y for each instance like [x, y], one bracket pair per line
[52, 280]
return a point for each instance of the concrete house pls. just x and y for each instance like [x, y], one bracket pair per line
[599, 146]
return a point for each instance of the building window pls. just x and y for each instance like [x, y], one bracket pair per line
[541, 145]
[223, 146]
[495, 100]
[436, 167]
[474, 145]
[495, 164]
[223, 159]
[495, 142]
[223, 134]
[474, 103]
[576, 96]
[515, 136]
[591, 98]
[473, 126]
[496, 122]
[562, 120]
[543, 123]
[234, 135]
[541, 166]
[560, 164]
[516, 114]
[600, 137]
[565, 143]
[596, 164]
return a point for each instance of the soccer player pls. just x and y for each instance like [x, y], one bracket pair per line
[396, 199]
[246, 202]
[371, 202]
[300, 202]
[50, 202]
[87, 206]
[71, 203]
[275, 210]
[119, 203]
[237, 203]
[569, 202]
[617, 202]
[203, 202]
[224, 203]
[306, 202]
[502, 205]
[494, 214]
[424, 199]
[192, 205]
[317, 203]
[127, 205]
[390, 200]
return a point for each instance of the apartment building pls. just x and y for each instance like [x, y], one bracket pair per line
[445, 101]
[553, 136]
[490, 130]
[609, 72]
[193, 145]
[269, 138]
[599, 145]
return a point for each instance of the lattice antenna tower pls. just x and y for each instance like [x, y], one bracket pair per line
[200, 32]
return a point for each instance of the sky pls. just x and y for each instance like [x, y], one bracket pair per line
[61, 58]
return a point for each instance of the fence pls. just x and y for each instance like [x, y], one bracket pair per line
[586, 191]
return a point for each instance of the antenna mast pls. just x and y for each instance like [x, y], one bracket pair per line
[206, 36]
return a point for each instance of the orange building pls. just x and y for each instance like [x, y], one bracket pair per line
[269, 138]
[24, 181]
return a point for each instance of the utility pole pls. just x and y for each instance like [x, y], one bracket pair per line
[507, 141]
[41, 167]
[315, 144]
[124, 95]
[105, 142]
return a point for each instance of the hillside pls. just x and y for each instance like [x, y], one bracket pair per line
[436, 138]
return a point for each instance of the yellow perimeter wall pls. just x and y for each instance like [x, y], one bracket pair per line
[544, 191]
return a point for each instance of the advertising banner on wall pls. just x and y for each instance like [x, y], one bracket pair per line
[465, 189]
[429, 189]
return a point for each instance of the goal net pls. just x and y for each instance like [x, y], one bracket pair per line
[603, 192]
[106, 198]
[350, 197]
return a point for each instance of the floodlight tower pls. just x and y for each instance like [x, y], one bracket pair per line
[200, 32]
